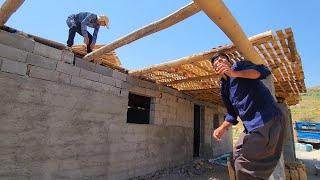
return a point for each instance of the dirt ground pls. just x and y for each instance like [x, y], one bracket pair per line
[199, 169]
[309, 158]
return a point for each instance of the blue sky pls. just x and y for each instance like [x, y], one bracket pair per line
[46, 18]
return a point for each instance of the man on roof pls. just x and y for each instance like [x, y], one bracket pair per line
[79, 23]
[259, 147]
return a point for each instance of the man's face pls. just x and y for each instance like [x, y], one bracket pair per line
[219, 62]
[101, 22]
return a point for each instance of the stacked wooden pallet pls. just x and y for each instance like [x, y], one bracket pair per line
[295, 171]
[194, 75]
[109, 59]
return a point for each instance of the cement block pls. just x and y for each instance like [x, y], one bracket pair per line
[67, 56]
[80, 82]
[141, 83]
[64, 78]
[41, 61]
[13, 53]
[126, 85]
[169, 90]
[149, 85]
[85, 65]
[89, 75]
[124, 93]
[93, 67]
[47, 51]
[131, 79]
[107, 80]
[152, 93]
[45, 74]
[115, 91]
[104, 70]
[118, 75]
[14, 67]
[137, 90]
[16, 41]
[68, 69]
[101, 87]
[118, 83]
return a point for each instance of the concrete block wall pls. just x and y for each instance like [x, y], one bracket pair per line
[173, 111]
[63, 118]
[211, 147]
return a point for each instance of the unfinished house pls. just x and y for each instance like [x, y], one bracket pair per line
[63, 117]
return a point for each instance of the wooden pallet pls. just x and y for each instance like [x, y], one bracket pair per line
[194, 74]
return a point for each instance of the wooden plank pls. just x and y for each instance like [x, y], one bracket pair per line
[154, 27]
[284, 46]
[206, 64]
[222, 17]
[265, 55]
[7, 9]
[204, 67]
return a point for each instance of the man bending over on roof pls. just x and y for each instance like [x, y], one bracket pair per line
[79, 22]
[259, 147]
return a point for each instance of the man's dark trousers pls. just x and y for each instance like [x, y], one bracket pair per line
[257, 153]
[72, 34]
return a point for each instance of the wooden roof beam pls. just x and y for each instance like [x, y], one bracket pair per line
[7, 9]
[220, 15]
[154, 27]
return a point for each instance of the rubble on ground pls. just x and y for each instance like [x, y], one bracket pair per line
[194, 168]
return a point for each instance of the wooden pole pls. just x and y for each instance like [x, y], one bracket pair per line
[7, 9]
[219, 14]
[154, 27]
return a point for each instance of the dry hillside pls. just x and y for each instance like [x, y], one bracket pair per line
[309, 107]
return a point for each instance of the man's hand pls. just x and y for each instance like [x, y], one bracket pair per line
[91, 46]
[86, 40]
[217, 134]
[224, 69]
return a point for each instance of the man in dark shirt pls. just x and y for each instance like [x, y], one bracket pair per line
[259, 147]
[79, 22]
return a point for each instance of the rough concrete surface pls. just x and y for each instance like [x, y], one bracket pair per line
[65, 121]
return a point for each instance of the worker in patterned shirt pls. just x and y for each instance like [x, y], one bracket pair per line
[79, 22]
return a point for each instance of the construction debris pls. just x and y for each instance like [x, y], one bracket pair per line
[221, 160]
[191, 170]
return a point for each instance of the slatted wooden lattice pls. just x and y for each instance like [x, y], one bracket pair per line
[194, 75]
[108, 59]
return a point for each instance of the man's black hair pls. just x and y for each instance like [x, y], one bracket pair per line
[218, 54]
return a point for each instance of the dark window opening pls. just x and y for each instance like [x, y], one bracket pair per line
[138, 109]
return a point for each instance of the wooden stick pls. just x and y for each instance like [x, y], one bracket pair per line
[220, 14]
[7, 9]
[164, 23]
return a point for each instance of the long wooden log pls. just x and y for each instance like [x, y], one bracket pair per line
[164, 23]
[7, 9]
[220, 15]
